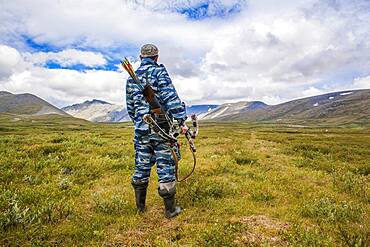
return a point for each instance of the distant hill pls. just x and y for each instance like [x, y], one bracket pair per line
[352, 106]
[199, 109]
[232, 108]
[26, 104]
[339, 107]
[102, 111]
[98, 111]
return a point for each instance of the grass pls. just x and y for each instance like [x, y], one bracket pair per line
[67, 182]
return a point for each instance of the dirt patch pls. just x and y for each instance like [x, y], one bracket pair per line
[262, 230]
[129, 238]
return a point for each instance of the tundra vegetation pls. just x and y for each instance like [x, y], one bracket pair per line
[66, 182]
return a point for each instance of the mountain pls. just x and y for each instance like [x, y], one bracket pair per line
[199, 109]
[339, 107]
[98, 111]
[101, 111]
[231, 109]
[26, 104]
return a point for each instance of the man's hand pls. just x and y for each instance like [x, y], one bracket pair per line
[184, 129]
[182, 125]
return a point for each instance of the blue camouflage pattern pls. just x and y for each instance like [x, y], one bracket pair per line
[149, 147]
[148, 154]
[166, 93]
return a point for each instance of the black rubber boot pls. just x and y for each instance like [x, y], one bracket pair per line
[168, 195]
[140, 194]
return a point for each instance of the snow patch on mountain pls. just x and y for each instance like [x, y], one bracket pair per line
[232, 108]
[219, 113]
[98, 111]
[347, 93]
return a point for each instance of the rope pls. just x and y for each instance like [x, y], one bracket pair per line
[149, 120]
[154, 125]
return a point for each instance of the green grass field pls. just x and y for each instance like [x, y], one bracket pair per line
[65, 182]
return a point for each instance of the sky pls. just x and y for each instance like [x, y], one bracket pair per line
[216, 52]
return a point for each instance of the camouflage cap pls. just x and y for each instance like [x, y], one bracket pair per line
[149, 50]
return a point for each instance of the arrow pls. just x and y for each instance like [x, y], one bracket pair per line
[130, 70]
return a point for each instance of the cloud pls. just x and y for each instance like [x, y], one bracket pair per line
[312, 91]
[362, 82]
[97, 23]
[9, 59]
[267, 50]
[286, 54]
[67, 58]
[59, 86]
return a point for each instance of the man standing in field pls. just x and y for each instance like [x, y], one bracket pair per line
[149, 147]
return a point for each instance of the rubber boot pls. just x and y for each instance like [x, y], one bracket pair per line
[140, 194]
[168, 191]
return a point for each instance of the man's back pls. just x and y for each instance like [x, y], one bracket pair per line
[157, 76]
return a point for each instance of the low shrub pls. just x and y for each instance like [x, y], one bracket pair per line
[327, 210]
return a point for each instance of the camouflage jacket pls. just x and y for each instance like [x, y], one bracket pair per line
[166, 93]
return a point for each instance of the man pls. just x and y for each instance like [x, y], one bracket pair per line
[149, 147]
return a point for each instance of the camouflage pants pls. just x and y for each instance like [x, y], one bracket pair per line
[148, 154]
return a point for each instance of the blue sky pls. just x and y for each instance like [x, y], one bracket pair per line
[205, 9]
[111, 64]
[215, 51]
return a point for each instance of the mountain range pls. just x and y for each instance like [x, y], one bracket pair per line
[199, 109]
[101, 111]
[98, 111]
[231, 109]
[338, 108]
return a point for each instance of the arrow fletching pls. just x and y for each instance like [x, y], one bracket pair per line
[129, 69]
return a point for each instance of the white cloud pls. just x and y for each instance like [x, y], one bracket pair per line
[60, 86]
[9, 59]
[272, 51]
[67, 57]
[312, 91]
[362, 82]
[98, 23]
